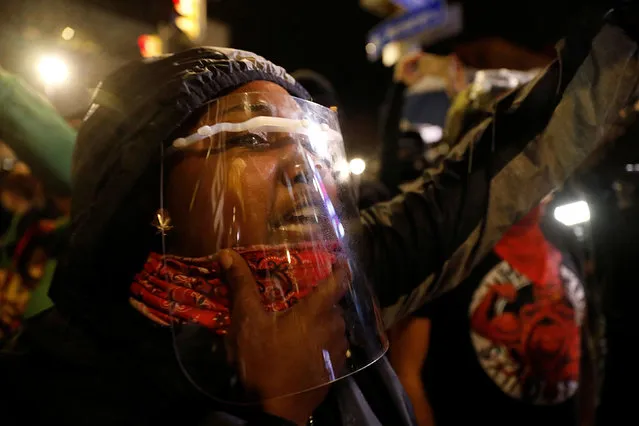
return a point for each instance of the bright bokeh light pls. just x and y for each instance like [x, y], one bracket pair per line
[391, 54]
[150, 45]
[52, 70]
[68, 33]
[185, 7]
[188, 19]
[431, 133]
[343, 170]
[371, 48]
[357, 166]
[573, 213]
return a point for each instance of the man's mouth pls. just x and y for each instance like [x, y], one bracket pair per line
[304, 214]
[308, 220]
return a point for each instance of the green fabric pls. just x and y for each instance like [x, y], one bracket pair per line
[39, 300]
[34, 130]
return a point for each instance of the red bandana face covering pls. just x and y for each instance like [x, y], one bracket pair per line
[190, 290]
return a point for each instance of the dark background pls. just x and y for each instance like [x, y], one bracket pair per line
[329, 37]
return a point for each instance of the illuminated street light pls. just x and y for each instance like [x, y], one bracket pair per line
[573, 213]
[68, 33]
[191, 17]
[150, 45]
[357, 166]
[52, 70]
[391, 54]
[431, 133]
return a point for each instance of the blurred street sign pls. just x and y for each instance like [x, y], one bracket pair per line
[452, 26]
[410, 4]
[430, 16]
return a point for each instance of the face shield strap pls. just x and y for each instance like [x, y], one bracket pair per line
[262, 123]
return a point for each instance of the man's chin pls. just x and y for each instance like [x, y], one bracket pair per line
[301, 233]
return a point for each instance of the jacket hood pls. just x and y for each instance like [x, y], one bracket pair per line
[116, 161]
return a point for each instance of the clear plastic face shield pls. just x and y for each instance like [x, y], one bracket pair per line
[263, 174]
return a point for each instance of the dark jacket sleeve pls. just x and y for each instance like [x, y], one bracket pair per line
[426, 240]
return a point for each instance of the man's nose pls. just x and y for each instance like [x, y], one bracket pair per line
[294, 166]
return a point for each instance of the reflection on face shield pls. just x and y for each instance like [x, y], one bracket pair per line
[256, 182]
[268, 181]
[263, 174]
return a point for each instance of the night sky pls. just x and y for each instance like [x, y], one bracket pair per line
[329, 37]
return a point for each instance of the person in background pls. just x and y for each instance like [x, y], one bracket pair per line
[454, 70]
[369, 192]
[411, 160]
[318, 86]
[32, 235]
[35, 199]
[402, 149]
[506, 346]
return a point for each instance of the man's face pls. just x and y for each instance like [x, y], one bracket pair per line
[249, 188]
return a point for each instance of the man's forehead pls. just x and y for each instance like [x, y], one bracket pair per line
[236, 107]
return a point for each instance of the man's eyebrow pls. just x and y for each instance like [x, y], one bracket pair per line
[262, 108]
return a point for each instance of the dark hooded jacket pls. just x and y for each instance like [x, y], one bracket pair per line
[93, 360]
